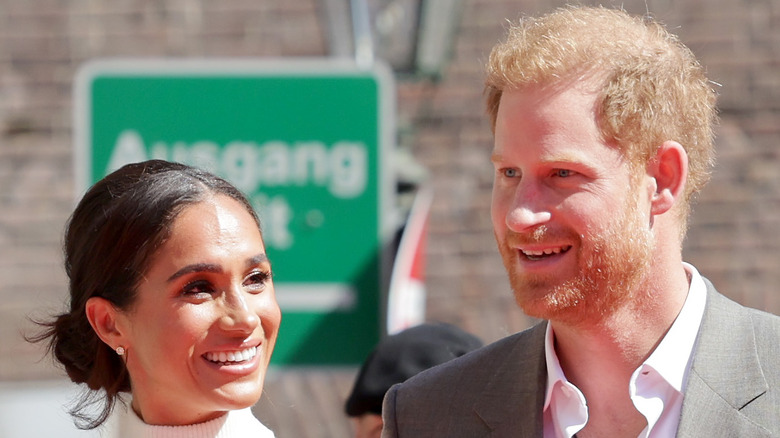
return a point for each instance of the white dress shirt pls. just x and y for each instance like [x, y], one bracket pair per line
[656, 387]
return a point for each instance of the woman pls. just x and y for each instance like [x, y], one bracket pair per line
[171, 299]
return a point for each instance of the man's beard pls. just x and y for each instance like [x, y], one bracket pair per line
[611, 265]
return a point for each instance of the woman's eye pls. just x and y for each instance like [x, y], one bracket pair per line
[257, 280]
[198, 287]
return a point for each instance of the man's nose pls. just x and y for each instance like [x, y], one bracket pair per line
[529, 208]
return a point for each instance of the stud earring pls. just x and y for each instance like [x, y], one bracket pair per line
[120, 350]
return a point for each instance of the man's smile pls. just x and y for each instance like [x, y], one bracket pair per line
[541, 254]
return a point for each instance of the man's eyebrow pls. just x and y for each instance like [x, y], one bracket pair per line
[196, 267]
[567, 157]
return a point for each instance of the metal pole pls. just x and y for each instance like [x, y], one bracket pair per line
[361, 32]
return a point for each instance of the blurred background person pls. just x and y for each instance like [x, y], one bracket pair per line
[397, 358]
[171, 300]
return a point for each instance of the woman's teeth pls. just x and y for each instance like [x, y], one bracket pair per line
[231, 356]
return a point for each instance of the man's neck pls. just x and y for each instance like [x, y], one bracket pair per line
[599, 357]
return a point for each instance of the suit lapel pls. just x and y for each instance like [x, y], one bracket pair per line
[512, 401]
[726, 374]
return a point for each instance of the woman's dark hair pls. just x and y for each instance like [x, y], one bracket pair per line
[110, 240]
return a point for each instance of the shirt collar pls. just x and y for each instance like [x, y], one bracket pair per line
[554, 370]
[672, 357]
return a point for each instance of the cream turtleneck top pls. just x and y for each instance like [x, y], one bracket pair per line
[240, 423]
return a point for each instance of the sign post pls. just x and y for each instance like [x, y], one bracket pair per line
[307, 141]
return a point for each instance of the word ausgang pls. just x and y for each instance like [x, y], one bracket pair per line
[342, 168]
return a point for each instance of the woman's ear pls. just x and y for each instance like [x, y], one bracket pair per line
[103, 317]
[669, 170]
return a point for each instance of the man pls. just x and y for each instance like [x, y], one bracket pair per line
[603, 133]
[394, 360]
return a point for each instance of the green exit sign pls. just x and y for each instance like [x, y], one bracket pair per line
[309, 142]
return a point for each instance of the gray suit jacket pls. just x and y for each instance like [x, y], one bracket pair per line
[733, 389]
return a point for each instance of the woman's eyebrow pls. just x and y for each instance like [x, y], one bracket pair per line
[257, 260]
[196, 267]
[214, 268]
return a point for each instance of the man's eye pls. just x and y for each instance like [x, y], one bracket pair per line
[563, 173]
[511, 173]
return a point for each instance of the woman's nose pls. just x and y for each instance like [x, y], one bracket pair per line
[238, 315]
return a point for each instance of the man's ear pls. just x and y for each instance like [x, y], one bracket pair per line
[103, 317]
[669, 170]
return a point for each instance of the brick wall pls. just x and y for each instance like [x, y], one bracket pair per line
[732, 238]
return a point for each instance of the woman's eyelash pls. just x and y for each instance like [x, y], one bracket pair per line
[198, 286]
[260, 275]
